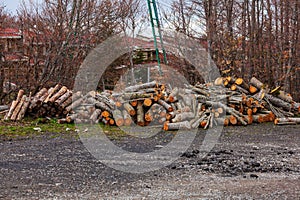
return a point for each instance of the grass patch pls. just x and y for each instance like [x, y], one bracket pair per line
[33, 127]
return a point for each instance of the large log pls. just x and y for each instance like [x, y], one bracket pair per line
[127, 118]
[118, 117]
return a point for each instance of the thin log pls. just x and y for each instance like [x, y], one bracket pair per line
[18, 108]
[95, 116]
[61, 92]
[11, 110]
[167, 106]
[23, 108]
[63, 98]
[135, 88]
[183, 117]
[287, 121]
[51, 92]
[20, 95]
[176, 126]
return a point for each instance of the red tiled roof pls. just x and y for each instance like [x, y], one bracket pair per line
[10, 33]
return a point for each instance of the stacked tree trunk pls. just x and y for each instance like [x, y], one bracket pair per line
[18, 107]
[227, 101]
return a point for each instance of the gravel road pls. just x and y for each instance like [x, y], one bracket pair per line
[254, 162]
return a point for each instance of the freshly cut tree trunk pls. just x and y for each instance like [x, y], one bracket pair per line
[173, 95]
[287, 121]
[129, 109]
[241, 82]
[233, 120]
[147, 102]
[252, 89]
[140, 114]
[167, 106]
[262, 118]
[134, 103]
[118, 116]
[284, 96]
[176, 126]
[149, 116]
[74, 105]
[37, 97]
[256, 83]
[127, 118]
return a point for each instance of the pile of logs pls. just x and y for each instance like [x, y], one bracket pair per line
[51, 102]
[227, 101]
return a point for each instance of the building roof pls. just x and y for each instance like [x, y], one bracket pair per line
[10, 33]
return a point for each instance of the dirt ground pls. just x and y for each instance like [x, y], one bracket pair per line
[253, 162]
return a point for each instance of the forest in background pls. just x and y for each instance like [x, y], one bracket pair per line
[249, 38]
